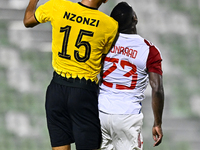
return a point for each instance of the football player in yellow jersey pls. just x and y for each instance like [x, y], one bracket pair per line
[80, 36]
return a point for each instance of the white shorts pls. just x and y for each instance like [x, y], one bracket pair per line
[121, 132]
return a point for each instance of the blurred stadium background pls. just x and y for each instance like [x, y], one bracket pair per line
[25, 72]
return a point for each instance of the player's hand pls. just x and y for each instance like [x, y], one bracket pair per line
[157, 135]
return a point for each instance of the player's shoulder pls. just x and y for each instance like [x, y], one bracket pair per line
[62, 2]
[145, 42]
[68, 2]
[107, 19]
[148, 43]
[152, 47]
[134, 38]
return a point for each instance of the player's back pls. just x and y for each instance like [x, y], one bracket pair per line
[125, 64]
[125, 77]
[80, 36]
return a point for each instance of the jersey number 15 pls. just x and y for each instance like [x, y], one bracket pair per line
[78, 44]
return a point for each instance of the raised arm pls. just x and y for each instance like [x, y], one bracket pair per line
[157, 105]
[29, 16]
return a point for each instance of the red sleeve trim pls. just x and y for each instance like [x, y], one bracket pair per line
[154, 59]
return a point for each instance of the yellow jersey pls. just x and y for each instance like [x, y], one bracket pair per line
[80, 35]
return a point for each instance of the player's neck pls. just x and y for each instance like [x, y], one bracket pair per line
[129, 31]
[91, 3]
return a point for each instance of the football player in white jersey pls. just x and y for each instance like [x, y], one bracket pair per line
[128, 67]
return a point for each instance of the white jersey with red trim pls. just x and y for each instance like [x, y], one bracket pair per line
[125, 74]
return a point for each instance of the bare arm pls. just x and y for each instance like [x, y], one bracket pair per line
[157, 105]
[29, 17]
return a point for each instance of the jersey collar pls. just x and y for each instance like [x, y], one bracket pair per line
[129, 35]
[87, 6]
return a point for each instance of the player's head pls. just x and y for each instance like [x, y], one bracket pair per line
[124, 14]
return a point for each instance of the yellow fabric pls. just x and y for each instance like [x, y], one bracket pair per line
[80, 35]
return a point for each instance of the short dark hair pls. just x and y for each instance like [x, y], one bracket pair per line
[123, 14]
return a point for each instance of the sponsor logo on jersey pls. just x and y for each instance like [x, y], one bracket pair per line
[81, 19]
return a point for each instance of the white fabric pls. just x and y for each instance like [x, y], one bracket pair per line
[121, 132]
[129, 55]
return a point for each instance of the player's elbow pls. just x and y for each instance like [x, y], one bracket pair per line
[27, 24]
[158, 90]
[30, 22]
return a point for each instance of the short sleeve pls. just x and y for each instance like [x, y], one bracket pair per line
[154, 61]
[44, 12]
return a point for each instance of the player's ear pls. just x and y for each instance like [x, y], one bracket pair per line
[135, 20]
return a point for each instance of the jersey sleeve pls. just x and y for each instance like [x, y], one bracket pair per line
[111, 38]
[154, 61]
[44, 12]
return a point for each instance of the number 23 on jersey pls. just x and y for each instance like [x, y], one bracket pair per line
[113, 68]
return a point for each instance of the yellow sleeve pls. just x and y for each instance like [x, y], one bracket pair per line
[111, 38]
[44, 12]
